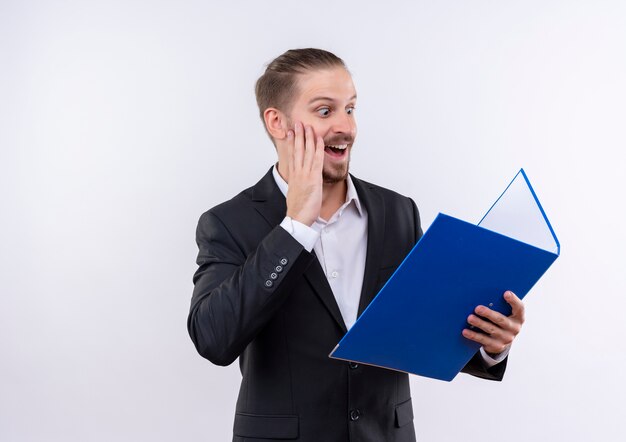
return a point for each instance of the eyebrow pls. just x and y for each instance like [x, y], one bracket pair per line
[328, 99]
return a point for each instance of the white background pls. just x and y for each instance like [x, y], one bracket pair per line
[122, 121]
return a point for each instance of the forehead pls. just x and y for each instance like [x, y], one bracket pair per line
[334, 83]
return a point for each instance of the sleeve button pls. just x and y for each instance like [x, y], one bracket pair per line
[284, 261]
[274, 276]
[269, 283]
[355, 415]
[279, 269]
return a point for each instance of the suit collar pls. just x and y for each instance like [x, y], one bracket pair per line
[269, 201]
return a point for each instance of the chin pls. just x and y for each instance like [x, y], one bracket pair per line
[334, 175]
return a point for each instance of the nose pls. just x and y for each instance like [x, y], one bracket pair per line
[344, 124]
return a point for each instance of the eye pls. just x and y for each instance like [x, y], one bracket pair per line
[350, 110]
[323, 111]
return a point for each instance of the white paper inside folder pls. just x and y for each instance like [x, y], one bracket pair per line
[519, 215]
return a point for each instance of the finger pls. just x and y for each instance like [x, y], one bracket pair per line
[318, 161]
[487, 326]
[490, 344]
[309, 147]
[290, 152]
[298, 146]
[496, 317]
[517, 306]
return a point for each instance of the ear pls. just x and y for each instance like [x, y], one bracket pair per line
[276, 123]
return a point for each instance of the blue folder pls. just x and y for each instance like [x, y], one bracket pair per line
[414, 323]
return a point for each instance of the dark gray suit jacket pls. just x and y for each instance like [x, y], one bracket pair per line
[261, 297]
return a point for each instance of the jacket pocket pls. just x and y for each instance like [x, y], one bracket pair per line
[262, 426]
[404, 413]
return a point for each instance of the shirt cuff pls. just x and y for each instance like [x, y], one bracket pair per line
[496, 359]
[305, 235]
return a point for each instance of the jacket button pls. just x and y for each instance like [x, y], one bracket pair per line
[353, 365]
[274, 276]
[269, 283]
[355, 414]
[278, 269]
[284, 261]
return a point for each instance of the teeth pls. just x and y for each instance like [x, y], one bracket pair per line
[339, 146]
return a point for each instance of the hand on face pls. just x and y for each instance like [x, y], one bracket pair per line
[305, 152]
[499, 330]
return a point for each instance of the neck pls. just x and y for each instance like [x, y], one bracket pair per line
[333, 196]
[282, 170]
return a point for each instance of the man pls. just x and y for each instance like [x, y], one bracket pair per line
[286, 266]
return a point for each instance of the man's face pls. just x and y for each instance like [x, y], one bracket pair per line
[326, 100]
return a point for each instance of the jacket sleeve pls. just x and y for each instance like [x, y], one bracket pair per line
[416, 219]
[236, 295]
[477, 367]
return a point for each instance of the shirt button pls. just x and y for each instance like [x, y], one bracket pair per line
[274, 276]
[353, 365]
[278, 269]
[334, 274]
[269, 283]
[355, 415]
[284, 261]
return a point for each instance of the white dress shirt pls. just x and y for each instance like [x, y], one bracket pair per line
[340, 245]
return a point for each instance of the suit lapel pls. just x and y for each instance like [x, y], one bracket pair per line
[271, 204]
[316, 277]
[269, 200]
[375, 207]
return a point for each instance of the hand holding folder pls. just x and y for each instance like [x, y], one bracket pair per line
[415, 322]
[493, 330]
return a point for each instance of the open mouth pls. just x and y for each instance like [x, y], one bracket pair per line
[337, 151]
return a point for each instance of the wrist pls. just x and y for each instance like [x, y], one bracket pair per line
[307, 221]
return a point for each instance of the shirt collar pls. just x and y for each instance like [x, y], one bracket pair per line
[351, 194]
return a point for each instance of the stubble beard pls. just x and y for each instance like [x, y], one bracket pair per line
[335, 173]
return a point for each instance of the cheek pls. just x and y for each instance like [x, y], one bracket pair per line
[321, 129]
